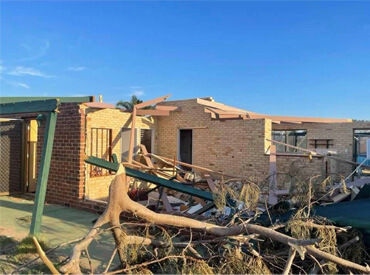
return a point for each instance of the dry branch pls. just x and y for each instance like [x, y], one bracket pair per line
[119, 202]
[44, 258]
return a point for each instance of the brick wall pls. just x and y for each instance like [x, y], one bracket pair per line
[97, 188]
[342, 136]
[66, 175]
[67, 170]
[238, 147]
[69, 183]
[234, 147]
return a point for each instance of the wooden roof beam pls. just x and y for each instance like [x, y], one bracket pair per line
[222, 114]
[217, 105]
[309, 119]
[151, 102]
[167, 108]
[299, 119]
[227, 112]
[231, 116]
[152, 112]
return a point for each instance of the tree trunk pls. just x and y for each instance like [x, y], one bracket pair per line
[119, 202]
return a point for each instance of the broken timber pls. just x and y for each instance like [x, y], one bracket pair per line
[113, 166]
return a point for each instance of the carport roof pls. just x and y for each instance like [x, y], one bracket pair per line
[62, 99]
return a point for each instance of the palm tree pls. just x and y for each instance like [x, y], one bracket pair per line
[128, 105]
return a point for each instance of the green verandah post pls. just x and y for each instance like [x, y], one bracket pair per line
[48, 106]
[42, 179]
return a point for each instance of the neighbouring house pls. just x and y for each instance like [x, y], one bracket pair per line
[198, 131]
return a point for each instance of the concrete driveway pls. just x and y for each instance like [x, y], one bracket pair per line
[59, 225]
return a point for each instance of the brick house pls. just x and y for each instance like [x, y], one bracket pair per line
[237, 142]
[83, 128]
[200, 131]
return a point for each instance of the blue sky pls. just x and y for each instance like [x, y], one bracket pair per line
[295, 58]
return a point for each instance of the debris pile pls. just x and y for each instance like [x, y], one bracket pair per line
[180, 220]
[230, 192]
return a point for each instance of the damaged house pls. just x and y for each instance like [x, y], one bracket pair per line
[238, 142]
[199, 131]
[83, 128]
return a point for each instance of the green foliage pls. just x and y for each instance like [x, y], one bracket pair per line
[27, 246]
[19, 253]
[128, 105]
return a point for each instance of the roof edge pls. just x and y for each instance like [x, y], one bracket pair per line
[63, 99]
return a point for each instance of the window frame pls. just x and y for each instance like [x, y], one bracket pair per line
[100, 148]
[293, 137]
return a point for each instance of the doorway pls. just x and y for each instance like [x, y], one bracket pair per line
[142, 136]
[186, 145]
[31, 155]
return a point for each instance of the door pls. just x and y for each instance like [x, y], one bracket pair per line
[186, 145]
[31, 155]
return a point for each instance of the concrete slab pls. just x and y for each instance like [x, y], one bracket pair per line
[59, 225]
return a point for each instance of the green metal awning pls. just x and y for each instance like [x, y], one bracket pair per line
[49, 105]
[177, 186]
[67, 99]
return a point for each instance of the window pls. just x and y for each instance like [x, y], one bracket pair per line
[321, 143]
[361, 137]
[101, 147]
[296, 138]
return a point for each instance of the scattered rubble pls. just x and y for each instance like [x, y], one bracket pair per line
[165, 228]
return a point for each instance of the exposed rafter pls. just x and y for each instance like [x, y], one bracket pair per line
[152, 112]
[100, 105]
[300, 119]
[151, 102]
[222, 111]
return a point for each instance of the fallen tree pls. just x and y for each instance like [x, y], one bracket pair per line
[119, 202]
